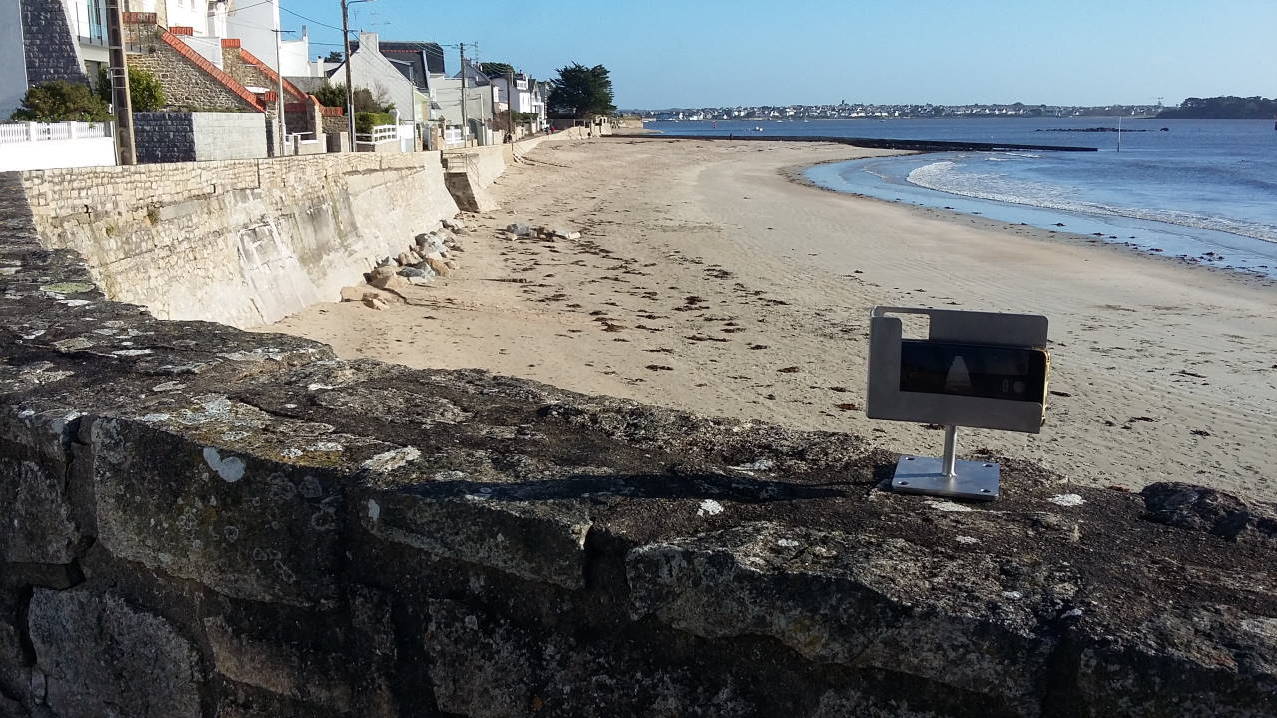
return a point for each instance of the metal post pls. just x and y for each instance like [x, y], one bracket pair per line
[119, 78]
[279, 89]
[950, 451]
[465, 120]
[510, 95]
[350, 89]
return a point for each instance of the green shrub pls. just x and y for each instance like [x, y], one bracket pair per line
[365, 101]
[365, 121]
[145, 90]
[61, 101]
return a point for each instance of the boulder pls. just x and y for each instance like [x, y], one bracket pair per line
[565, 233]
[380, 272]
[454, 224]
[413, 271]
[406, 259]
[372, 301]
[1198, 508]
[519, 229]
[391, 282]
[353, 294]
[439, 266]
[419, 281]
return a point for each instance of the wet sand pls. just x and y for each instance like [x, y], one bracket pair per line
[706, 279]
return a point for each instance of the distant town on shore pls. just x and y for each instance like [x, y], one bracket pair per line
[1191, 108]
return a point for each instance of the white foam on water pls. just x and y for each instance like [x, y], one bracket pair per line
[948, 176]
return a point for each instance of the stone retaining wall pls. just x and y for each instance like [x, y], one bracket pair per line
[201, 521]
[199, 136]
[240, 242]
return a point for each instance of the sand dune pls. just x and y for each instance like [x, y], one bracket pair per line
[707, 280]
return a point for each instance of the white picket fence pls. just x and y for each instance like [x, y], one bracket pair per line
[47, 145]
[45, 131]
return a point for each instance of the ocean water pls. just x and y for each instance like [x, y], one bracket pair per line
[1204, 190]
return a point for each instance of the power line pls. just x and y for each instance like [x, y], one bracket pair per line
[309, 19]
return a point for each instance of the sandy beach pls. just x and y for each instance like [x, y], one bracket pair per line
[708, 279]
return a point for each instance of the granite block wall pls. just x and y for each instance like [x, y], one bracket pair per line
[164, 137]
[186, 86]
[52, 51]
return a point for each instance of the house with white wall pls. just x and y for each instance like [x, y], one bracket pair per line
[527, 97]
[46, 40]
[479, 99]
[254, 22]
[371, 70]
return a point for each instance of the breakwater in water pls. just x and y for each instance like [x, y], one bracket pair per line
[875, 142]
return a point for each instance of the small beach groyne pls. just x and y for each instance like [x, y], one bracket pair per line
[875, 143]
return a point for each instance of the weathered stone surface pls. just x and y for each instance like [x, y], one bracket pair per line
[99, 656]
[278, 667]
[411, 272]
[541, 541]
[857, 601]
[438, 266]
[1202, 509]
[37, 525]
[41, 524]
[242, 525]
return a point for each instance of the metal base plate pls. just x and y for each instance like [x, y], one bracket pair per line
[923, 475]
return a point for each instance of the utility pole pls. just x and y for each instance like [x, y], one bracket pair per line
[465, 121]
[279, 89]
[119, 77]
[350, 89]
[484, 119]
[510, 102]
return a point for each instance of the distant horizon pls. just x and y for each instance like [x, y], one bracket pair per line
[717, 53]
[1165, 104]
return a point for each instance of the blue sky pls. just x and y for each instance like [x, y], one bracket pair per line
[664, 53]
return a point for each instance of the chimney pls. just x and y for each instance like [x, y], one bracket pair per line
[369, 40]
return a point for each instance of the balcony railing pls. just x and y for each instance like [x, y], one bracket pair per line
[379, 134]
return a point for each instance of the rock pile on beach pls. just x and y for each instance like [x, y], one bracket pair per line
[430, 256]
[519, 229]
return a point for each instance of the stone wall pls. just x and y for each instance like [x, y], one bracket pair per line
[52, 52]
[187, 84]
[240, 242]
[229, 135]
[201, 521]
[164, 137]
[487, 162]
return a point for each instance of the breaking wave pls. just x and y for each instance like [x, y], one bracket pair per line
[945, 176]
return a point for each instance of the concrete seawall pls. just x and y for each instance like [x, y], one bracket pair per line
[248, 242]
[239, 242]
